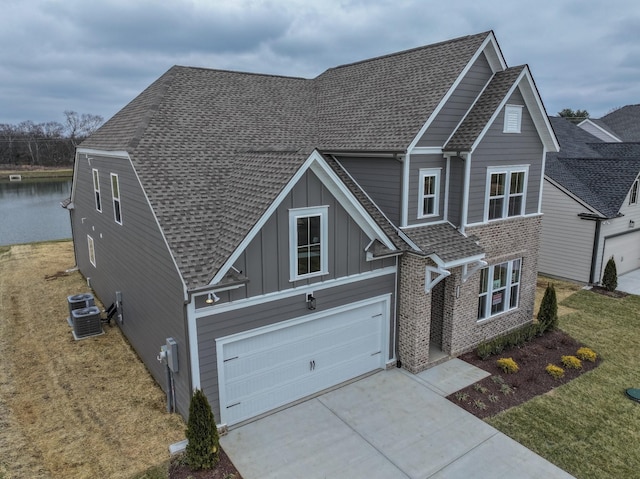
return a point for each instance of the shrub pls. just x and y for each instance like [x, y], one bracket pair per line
[460, 396]
[571, 362]
[515, 338]
[548, 312]
[493, 398]
[479, 404]
[610, 276]
[555, 371]
[203, 448]
[508, 365]
[506, 389]
[587, 354]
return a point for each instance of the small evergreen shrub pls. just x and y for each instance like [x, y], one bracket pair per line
[480, 388]
[548, 312]
[508, 365]
[493, 398]
[515, 338]
[587, 354]
[203, 448]
[479, 404]
[506, 389]
[462, 397]
[610, 276]
[571, 362]
[555, 371]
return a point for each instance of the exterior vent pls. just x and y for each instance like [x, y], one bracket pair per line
[79, 301]
[86, 322]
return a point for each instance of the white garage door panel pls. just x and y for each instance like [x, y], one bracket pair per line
[626, 251]
[269, 369]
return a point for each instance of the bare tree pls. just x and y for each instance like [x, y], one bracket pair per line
[80, 126]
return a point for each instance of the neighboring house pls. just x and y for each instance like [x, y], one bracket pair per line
[591, 206]
[291, 234]
[621, 125]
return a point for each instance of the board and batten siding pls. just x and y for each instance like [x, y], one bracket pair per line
[266, 260]
[458, 104]
[418, 162]
[456, 185]
[271, 312]
[131, 258]
[506, 149]
[381, 179]
[566, 241]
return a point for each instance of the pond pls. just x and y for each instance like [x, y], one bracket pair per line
[30, 211]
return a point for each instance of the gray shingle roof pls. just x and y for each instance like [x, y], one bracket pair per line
[479, 115]
[598, 173]
[445, 241]
[214, 148]
[624, 122]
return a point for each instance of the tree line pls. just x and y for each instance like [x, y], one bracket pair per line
[45, 144]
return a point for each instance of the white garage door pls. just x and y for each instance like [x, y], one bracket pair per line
[626, 251]
[269, 367]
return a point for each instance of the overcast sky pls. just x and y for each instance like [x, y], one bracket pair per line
[96, 56]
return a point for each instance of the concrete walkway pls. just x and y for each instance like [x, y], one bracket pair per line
[629, 282]
[389, 425]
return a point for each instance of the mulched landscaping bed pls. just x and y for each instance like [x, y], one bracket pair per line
[489, 396]
[224, 470]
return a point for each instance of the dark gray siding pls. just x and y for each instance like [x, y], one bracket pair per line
[458, 104]
[217, 326]
[506, 149]
[131, 258]
[381, 178]
[417, 162]
[266, 260]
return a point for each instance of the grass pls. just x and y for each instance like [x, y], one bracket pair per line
[588, 427]
[72, 409]
[38, 174]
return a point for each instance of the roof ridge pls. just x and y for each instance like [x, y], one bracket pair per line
[410, 50]
[239, 72]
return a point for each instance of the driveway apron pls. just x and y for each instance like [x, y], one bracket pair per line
[391, 424]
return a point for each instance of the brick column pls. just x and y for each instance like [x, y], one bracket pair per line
[414, 318]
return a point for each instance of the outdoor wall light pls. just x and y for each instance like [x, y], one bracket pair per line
[212, 298]
[631, 223]
[311, 302]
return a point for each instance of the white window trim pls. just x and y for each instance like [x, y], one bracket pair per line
[512, 114]
[507, 289]
[92, 250]
[424, 172]
[294, 214]
[116, 199]
[95, 178]
[505, 205]
[635, 188]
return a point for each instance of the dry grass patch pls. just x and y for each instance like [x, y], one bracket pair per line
[564, 289]
[72, 409]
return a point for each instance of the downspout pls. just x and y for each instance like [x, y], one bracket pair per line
[465, 191]
[594, 252]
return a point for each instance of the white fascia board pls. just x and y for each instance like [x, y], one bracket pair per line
[332, 182]
[614, 139]
[490, 40]
[108, 153]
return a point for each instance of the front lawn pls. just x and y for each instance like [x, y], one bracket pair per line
[588, 427]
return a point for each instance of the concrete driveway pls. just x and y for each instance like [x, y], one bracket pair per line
[629, 282]
[389, 425]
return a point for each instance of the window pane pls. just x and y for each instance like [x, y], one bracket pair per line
[98, 204]
[484, 280]
[114, 186]
[495, 208]
[499, 276]
[515, 272]
[482, 305]
[513, 300]
[429, 185]
[497, 184]
[314, 259]
[302, 225]
[303, 260]
[314, 229]
[497, 302]
[515, 205]
[428, 206]
[517, 182]
[116, 208]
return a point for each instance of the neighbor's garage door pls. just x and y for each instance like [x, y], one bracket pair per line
[270, 367]
[626, 251]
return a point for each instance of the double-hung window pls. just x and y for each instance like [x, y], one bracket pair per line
[115, 192]
[633, 196]
[506, 192]
[308, 242]
[429, 193]
[499, 288]
[96, 190]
